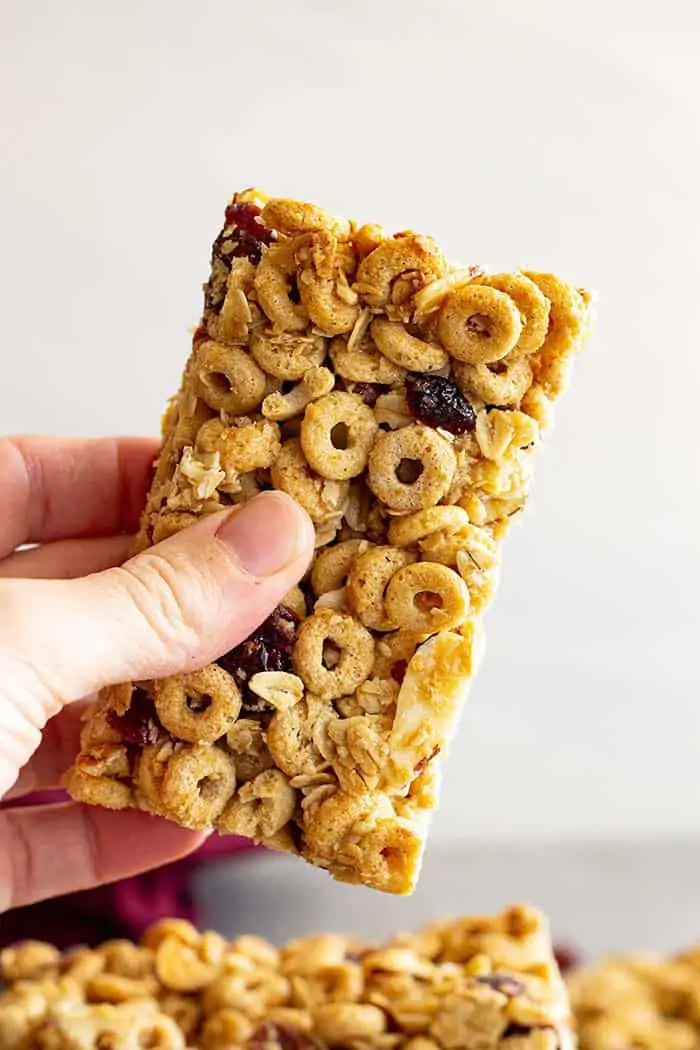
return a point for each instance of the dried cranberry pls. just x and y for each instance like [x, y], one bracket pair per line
[246, 217]
[369, 392]
[567, 958]
[269, 648]
[503, 982]
[438, 402]
[271, 1036]
[247, 237]
[139, 725]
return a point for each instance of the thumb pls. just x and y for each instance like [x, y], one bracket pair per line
[172, 608]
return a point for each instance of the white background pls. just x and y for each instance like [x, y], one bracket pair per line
[520, 133]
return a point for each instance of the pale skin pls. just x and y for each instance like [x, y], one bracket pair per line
[75, 616]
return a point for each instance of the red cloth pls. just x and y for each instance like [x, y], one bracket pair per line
[122, 909]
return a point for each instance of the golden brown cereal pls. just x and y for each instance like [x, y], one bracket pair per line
[337, 433]
[367, 582]
[199, 707]
[502, 384]
[479, 325]
[411, 468]
[353, 658]
[331, 567]
[362, 363]
[262, 806]
[287, 356]
[426, 597]
[197, 783]
[332, 305]
[323, 499]
[272, 284]
[530, 301]
[400, 401]
[406, 350]
[227, 378]
[412, 528]
[315, 384]
[404, 254]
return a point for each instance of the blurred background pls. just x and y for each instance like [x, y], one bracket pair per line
[545, 134]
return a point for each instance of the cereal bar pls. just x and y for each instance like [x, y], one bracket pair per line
[638, 1001]
[470, 984]
[400, 400]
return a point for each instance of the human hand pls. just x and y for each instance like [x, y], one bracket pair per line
[73, 618]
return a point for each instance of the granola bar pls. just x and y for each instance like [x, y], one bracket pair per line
[639, 1001]
[468, 984]
[400, 400]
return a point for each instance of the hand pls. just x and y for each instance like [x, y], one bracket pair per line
[73, 618]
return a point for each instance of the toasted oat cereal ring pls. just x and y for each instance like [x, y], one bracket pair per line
[197, 783]
[337, 433]
[530, 301]
[99, 791]
[284, 407]
[504, 383]
[199, 707]
[411, 468]
[407, 253]
[331, 567]
[323, 499]
[285, 355]
[274, 289]
[367, 582]
[568, 327]
[295, 217]
[362, 363]
[478, 324]
[261, 807]
[427, 597]
[405, 349]
[407, 530]
[227, 378]
[326, 636]
[331, 304]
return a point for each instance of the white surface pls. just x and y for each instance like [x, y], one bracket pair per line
[599, 899]
[556, 135]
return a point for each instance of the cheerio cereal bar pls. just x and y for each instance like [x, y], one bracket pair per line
[469, 984]
[400, 400]
[639, 1001]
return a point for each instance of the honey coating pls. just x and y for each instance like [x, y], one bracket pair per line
[400, 401]
[481, 983]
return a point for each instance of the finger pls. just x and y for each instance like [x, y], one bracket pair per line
[67, 559]
[55, 487]
[56, 753]
[46, 851]
[172, 608]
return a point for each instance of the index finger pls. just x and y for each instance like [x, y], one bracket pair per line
[55, 487]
